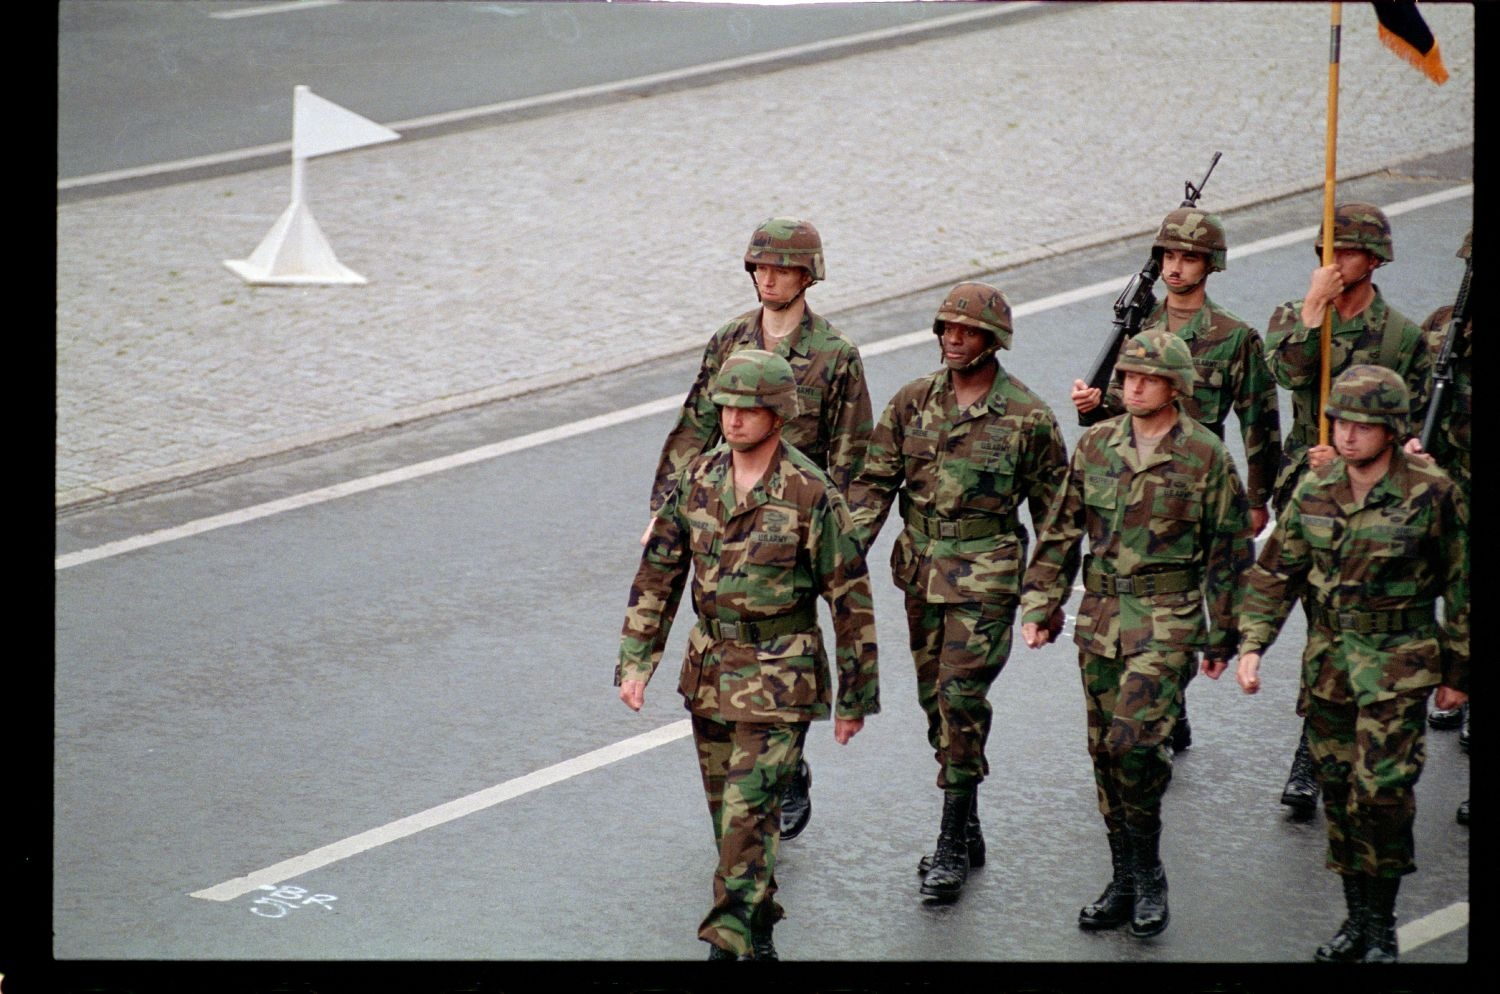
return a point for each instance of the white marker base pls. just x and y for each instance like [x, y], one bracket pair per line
[294, 252]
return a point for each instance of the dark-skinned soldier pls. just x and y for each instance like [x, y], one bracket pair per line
[962, 449]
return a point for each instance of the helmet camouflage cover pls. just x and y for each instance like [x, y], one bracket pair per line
[756, 378]
[1371, 395]
[1189, 230]
[786, 241]
[1159, 353]
[1360, 226]
[977, 305]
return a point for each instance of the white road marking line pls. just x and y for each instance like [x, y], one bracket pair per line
[984, 11]
[1434, 926]
[452, 810]
[624, 415]
[351, 487]
[272, 8]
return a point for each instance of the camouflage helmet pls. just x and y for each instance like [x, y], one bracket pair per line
[756, 378]
[977, 305]
[1360, 226]
[1159, 353]
[1190, 230]
[1467, 248]
[1372, 395]
[786, 241]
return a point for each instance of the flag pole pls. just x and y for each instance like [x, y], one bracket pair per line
[1329, 170]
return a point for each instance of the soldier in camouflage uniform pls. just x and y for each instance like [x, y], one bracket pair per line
[1228, 357]
[1365, 329]
[1450, 447]
[833, 423]
[1169, 535]
[964, 448]
[1369, 542]
[766, 533]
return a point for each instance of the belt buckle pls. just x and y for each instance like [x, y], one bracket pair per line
[1124, 585]
[1348, 621]
[948, 529]
[729, 630]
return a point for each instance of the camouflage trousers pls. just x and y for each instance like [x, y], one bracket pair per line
[1133, 704]
[745, 765]
[959, 649]
[1368, 759]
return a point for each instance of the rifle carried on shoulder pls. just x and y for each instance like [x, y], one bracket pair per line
[1131, 308]
[1442, 371]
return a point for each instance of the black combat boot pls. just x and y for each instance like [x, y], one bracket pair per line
[1301, 790]
[1380, 919]
[971, 833]
[1446, 718]
[796, 803]
[1463, 813]
[1182, 732]
[1348, 943]
[1115, 905]
[761, 946]
[950, 862]
[716, 953]
[1149, 915]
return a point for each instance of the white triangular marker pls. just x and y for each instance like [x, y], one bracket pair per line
[295, 250]
[321, 126]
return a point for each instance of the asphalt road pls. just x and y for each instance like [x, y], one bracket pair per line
[249, 695]
[145, 83]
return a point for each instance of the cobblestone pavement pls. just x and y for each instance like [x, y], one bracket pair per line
[516, 256]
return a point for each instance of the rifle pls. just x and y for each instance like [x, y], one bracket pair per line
[1132, 306]
[1442, 371]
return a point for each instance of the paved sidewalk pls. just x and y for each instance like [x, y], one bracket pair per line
[517, 256]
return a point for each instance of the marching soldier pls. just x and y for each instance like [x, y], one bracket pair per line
[963, 448]
[1450, 447]
[766, 532]
[1369, 541]
[1365, 329]
[1228, 357]
[832, 426]
[1169, 535]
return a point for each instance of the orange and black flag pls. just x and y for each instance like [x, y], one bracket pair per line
[1404, 32]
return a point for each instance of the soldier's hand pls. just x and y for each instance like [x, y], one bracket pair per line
[1055, 624]
[1321, 455]
[1085, 397]
[1248, 672]
[1032, 635]
[1213, 668]
[1447, 698]
[845, 729]
[633, 693]
[646, 535]
[1259, 518]
[1413, 447]
[1326, 284]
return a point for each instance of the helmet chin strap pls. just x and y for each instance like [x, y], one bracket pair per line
[776, 424]
[782, 306]
[979, 360]
[1179, 291]
[1155, 410]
